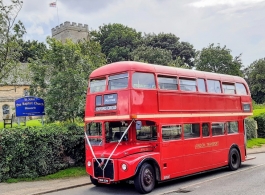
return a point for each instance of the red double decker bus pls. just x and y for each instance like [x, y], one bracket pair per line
[149, 123]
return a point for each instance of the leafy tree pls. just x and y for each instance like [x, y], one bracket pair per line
[155, 55]
[256, 79]
[10, 34]
[179, 50]
[31, 50]
[218, 59]
[61, 77]
[117, 41]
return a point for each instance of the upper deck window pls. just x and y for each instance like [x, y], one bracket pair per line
[167, 83]
[187, 84]
[143, 80]
[214, 86]
[240, 89]
[119, 81]
[201, 85]
[228, 88]
[97, 85]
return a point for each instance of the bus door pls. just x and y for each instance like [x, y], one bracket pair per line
[171, 151]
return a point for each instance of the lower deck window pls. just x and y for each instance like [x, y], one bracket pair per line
[218, 129]
[191, 130]
[147, 132]
[171, 132]
[205, 130]
[232, 127]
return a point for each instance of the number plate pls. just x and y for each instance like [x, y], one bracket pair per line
[104, 180]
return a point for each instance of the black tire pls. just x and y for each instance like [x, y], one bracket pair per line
[234, 159]
[95, 181]
[144, 181]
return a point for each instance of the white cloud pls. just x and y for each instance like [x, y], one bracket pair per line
[33, 29]
[210, 3]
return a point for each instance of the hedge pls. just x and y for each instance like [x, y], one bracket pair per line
[251, 128]
[32, 152]
[261, 125]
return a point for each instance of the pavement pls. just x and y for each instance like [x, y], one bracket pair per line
[44, 187]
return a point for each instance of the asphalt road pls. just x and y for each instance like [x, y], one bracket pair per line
[248, 180]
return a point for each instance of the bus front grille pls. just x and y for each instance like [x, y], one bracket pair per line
[108, 172]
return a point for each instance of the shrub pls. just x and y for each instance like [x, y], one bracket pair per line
[251, 128]
[38, 151]
[261, 125]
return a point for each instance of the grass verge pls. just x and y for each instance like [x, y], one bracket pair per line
[67, 173]
[34, 122]
[257, 142]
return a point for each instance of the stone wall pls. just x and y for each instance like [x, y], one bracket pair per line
[71, 31]
[8, 95]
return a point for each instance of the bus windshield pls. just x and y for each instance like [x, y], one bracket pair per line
[94, 132]
[114, 131]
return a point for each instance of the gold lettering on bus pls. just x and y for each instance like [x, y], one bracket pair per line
[206, 145]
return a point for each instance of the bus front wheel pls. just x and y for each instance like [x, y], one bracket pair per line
[234, 159]
[144, 181]
[95, 181]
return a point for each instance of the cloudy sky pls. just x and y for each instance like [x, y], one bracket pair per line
[238, 24]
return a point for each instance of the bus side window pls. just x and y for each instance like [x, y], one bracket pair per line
[232, 127]
[218, 129]
[191, 130]
[171, 132]
[143, 80]
[205, 130]
[241, 89]
[146, 132]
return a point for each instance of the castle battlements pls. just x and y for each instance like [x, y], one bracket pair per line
[69, 26]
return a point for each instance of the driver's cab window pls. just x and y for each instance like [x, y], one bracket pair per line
[114, 131]
[146, 130]
[94, 132]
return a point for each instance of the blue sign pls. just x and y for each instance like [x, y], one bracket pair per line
[29, 106]
[110, 99]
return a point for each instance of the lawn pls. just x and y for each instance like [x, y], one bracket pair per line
[67, 173]
[257, 142]
[35, 122]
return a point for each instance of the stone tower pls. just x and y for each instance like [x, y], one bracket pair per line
[70, 31]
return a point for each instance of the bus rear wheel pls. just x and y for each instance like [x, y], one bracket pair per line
[234, 159]
[144, 181]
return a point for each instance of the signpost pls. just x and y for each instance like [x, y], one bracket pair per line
[29, 106]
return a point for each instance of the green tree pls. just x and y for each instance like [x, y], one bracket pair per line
[10, 34]
[256, 79]
[179, 50]
[155, 55]
[117, 41]
[219, 60]
[61, 77]
[31, 50]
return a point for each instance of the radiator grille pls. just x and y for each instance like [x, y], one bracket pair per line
[108, 171]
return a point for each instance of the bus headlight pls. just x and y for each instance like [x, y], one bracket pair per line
[88, 163]
[124, 167]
